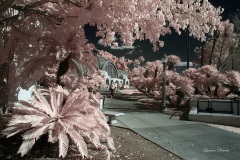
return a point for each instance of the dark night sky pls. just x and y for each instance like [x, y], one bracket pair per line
[174, 43]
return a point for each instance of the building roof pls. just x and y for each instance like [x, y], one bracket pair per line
[101, 61]
[122, 72]
[104, 64]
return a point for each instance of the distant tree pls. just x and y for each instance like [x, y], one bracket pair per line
[227, 39]
[148, 80]
[146, 77]
[235, 19]
[210, 83]
[197, 18]
[232, 82]
[172, 61]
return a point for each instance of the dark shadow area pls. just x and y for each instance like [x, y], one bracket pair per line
[144, 104]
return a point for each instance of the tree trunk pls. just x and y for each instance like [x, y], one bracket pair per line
[219, 60]
[4, 69]
[202, 54]
[210, 59]
[215, 35]
[216, 91]
[188, 47]
[145, 75]
[155, 74]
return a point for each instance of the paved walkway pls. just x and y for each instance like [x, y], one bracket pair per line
[187, 139]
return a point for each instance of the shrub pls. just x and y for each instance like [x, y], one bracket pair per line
[63, 116]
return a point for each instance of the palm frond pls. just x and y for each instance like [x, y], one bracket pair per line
[53, 101]
[85, 123]
[111, 143]
[53, 133]
[79, 141]
[42, 103]
[94, 99]
[21, 109]
[94, 139]
[12, 131]
[71, 100]
[26, 146]
[15, 129]
[63, 144]
[59, 101]
[30, 105]
[35, 133]
[18, 119]
[103, 125]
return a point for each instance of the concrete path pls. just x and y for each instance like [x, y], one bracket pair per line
[187, 139]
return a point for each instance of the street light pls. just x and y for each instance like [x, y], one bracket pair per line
[164, 61]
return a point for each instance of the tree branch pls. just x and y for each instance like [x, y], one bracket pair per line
[18, 30]
[76, 4]
[5, 5]
[40, 3]
[29, 11]
[9, 20]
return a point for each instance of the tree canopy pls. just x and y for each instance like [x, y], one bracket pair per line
[39, 34]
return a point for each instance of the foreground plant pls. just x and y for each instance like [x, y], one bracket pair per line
[62, 116]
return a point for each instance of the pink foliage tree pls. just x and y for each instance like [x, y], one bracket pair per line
[148, 79]
[172, 61]
[42, 34]
[179, 89]
[218, 50]
[144, 78]
[210, 83]
[45, 18]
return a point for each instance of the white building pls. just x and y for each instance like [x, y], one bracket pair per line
[111, 73]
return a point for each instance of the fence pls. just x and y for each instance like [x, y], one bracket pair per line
[229, 106]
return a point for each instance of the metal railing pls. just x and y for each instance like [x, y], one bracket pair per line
[210, 101]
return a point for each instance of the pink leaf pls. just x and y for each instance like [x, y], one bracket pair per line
[63, 144]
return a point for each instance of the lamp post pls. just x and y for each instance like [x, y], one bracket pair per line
[164, 61]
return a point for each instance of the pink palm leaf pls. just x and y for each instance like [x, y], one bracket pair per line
[62, 116]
